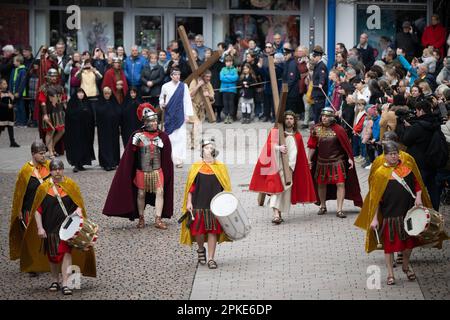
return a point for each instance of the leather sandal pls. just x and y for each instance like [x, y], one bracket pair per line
[159, 224]
[54, 287]
[212, 264]
[390, 281]
[66, 291]
[340, 214]
[277, 220]
[141, 223]
[410, 274]
[202, 256]
[322, 211]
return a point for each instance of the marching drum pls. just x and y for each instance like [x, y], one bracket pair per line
[424, 223]
[235, 223]
[79, 232]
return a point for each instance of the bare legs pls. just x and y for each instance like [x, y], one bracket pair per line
[340, 195]
[159, 204]
[51, 139]
[212, 244]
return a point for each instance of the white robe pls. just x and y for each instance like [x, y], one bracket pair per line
[178, 138]
[282, 201]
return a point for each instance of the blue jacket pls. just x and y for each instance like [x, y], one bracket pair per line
[17, 82]
[408, 67]
[133, 69]
[228, 78]
[376, 128]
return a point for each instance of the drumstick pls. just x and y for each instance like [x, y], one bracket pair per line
[379, 245]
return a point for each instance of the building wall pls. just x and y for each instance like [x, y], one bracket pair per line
[345, 23]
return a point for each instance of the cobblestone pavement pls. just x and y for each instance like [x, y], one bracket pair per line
[307, 257]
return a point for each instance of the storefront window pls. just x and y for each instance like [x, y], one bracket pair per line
[388, 23]
[148, 32]
[11, 34]
[265, 4]
[192, 25]
[188, 4]
[98, 29]
[262, 28]
[88, 3]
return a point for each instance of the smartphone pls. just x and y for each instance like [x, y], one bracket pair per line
[408, 89]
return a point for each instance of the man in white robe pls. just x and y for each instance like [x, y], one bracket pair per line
[175, 122]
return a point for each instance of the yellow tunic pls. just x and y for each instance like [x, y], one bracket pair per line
[377, 185]
[31, 257]
[16, 231]
[221, 172]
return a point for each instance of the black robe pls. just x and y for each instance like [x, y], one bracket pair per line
[80, 131]
[129, 121]
[108, 115]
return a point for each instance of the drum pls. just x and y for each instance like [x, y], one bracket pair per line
[79, 232]
[424, 223]
[232, 217]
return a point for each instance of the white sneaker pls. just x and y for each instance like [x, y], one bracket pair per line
[368, 167]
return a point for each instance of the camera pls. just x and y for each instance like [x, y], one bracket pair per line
[408, 115]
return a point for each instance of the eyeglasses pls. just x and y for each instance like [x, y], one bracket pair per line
[270, 47]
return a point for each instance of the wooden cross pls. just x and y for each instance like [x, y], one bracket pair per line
[197, 71]
[279, 107]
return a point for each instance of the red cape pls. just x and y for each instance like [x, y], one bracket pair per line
[109, 80]
[266, 178]
[122, 195]
[352, 189]
[59, 147]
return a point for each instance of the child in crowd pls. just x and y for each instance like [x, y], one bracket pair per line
[247, 92]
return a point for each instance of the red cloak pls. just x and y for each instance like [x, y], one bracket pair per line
[40, 98]
[109, 80]
[266, 178]
[352, 189]
[122, 195]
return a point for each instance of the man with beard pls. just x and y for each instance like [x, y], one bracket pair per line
[328, 155]
[268, 176]
[145, 174]
[30, 177]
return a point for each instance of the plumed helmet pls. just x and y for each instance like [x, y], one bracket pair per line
[146, 111]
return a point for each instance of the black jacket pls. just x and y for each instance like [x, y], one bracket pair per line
[184, 68]
[417, 137]
[367, 56]
[408, 42]
[320, 76]
[247, 93]
[155, 74]
[291, 76]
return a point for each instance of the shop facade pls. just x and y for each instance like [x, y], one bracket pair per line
[153, 23]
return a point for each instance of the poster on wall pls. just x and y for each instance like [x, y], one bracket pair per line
[97, 30]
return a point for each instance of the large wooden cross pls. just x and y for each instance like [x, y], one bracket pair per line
[279, 106]
[197, 71]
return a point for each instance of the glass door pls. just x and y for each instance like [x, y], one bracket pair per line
[193, 26]
[148, 32]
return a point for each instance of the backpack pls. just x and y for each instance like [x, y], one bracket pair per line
[437, 151]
